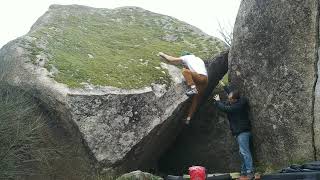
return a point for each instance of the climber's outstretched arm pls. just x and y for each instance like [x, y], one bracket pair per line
[170, 59]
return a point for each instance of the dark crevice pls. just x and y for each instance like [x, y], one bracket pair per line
[315, 83]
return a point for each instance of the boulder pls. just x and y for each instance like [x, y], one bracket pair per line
[316, 110]
[272, 61]
[138, 175]
[121, 128]
[97, 72]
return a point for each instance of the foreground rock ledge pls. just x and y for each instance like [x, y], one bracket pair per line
[122, 129]
[138, 175]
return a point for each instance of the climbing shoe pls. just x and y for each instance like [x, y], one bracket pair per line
[187, 121]
[191, 92]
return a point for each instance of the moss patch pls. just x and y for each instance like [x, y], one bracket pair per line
[116, 47]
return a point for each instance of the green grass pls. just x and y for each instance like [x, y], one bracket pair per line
[123, 44]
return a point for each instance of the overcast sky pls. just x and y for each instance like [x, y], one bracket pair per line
[17, 16]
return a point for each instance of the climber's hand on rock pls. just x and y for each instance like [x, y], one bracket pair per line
[217, 97]
[161, 54]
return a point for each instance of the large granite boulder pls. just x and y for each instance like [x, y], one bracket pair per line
[273, 62]
[97, 72]
[316, 112]
[121, 128]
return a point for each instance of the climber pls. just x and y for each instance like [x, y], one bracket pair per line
[195, 74]
[237, 108]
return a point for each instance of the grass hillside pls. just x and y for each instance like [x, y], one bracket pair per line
[112, 47]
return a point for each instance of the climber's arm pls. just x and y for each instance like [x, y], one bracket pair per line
[170, 59]
[227, 89]
[230, 107]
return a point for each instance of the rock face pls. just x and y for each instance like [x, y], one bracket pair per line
[272, 61]
[122, 128]
[217, 68]
[208, 141]
[317, 113]
[115, 123]
[139, 175]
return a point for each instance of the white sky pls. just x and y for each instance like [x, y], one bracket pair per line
[17, 16]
